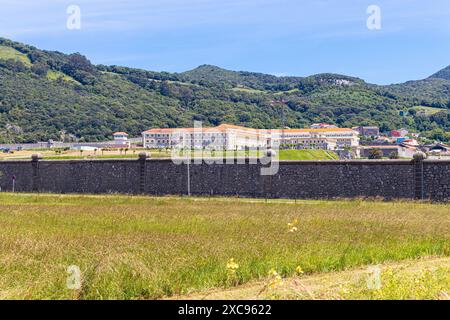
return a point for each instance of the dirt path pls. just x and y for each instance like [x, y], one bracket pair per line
[320, 286]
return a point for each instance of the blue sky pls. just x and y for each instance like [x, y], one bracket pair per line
[281, 37]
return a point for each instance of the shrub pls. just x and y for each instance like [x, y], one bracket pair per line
[393, 155]
[375, 154]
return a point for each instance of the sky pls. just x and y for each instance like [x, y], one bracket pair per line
[280, 37]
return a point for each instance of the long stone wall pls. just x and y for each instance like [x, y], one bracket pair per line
[300, 180]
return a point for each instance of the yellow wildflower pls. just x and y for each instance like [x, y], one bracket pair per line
[292, 226]
[299, 270]
[276, 279]
[232, 266]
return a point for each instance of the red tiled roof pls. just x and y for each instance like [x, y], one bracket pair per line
[317, 130]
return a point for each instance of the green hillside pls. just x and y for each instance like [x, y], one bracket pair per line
[8, 53]
[56, 75]
[48, 95]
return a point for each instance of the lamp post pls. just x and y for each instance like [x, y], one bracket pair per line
[189, 175]
[188, 158]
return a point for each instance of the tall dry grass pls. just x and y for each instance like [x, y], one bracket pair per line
[147, 248]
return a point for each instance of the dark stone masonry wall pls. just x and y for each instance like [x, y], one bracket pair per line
[300, 180]
[436, 180]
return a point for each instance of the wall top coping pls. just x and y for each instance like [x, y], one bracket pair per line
[324, 162]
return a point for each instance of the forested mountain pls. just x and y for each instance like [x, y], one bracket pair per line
[50, 95]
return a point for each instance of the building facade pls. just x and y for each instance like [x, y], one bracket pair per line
[401, 133]
[330, 139]
[223, 137]
[368, 131]
[229, 137]
[121, 139]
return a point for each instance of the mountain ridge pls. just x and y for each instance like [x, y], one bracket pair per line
[442, 74]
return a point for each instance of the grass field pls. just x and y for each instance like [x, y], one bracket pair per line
[7, 53]
[55, 75]
[304, 155]
[249, 90]
[429, 111]
[148, 248]
[49, 154]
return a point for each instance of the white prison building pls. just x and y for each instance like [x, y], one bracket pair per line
[230, 137]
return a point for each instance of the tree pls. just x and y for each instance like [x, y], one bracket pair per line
[412, 112]
[385, 127]
[80, 68]
[40, 69]
[393, 155]
[437, 134]
[164, 88]
[13, 65]
[79, 62]
[375, 154]
[441, 118]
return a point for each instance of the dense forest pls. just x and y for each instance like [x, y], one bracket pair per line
[50, 95]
